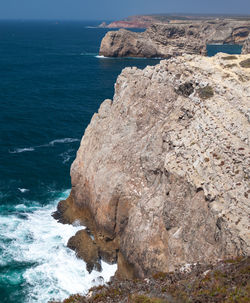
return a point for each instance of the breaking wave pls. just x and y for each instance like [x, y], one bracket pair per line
[36, 245]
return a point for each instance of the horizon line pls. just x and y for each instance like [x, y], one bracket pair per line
[122, 18]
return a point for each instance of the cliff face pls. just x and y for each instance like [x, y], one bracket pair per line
[162, 173]
[246, 46]
[166, 40]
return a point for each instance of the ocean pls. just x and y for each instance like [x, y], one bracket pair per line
[51, 83]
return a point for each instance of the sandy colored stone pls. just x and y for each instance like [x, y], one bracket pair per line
[163, 169]
[167, 40]
[246, 46]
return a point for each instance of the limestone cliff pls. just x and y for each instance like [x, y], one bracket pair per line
[166, 40]
[246, 46]
[162, 173]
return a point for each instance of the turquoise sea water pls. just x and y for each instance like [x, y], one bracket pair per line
[213, 49]
[51, 83]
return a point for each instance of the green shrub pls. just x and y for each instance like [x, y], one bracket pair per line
[206, 92]
[245, 63]
[229, 58]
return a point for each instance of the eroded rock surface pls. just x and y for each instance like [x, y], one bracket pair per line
[163, 170]
[85, 249]
[166, 40]
[246, 46]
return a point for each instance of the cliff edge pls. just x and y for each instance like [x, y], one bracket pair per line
[161, 177]
[246, 46]
[167, 40]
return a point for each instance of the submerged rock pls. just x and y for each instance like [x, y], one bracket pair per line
[167, 40]
[163, 170]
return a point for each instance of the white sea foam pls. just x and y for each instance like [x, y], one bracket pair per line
[101, 57]
[39, 240]
[22, 150]
[64, 140]
[66, 156]
[129, 58]
[23, 190]
[51, 143]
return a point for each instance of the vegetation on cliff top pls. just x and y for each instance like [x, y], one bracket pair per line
[227, 281]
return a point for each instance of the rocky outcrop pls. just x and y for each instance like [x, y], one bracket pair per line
[166, 40]
[246, 46]
[85, 249]
[162, 173]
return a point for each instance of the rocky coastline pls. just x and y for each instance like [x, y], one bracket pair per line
[145, 21]
[223, 282]
[167, 40]
[161, 177]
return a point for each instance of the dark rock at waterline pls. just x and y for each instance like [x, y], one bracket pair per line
[69, 213]
[85, 249]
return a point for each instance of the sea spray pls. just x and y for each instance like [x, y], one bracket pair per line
[49, 92]
[36, 244]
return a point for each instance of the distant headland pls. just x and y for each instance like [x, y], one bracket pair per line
[144, 21]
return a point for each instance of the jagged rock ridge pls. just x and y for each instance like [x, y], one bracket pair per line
[166, 40]
[163, 171]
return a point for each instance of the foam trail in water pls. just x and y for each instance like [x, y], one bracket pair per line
[67, 156]
[65, 140]
[22, 150]
[39, 240]
[51, 143]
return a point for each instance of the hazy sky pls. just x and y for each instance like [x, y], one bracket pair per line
[114, 9]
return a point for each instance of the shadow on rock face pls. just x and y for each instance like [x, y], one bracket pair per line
[85, 249]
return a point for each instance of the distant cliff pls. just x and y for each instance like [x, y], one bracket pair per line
[144, 21]
[134, 22]
[167, 40]
[161, 178]
[246, 46]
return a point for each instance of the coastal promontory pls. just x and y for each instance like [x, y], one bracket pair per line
[161, 178]
[167, 40]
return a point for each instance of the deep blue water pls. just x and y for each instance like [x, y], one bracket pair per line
[51, 83]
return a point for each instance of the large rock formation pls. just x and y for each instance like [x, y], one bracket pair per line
[246, 46]
[173, 39]
[162, 173]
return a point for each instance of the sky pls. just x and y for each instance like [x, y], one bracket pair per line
[114, 9]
